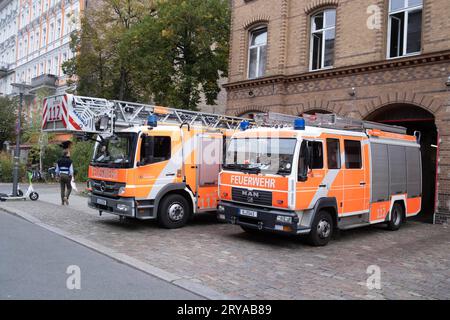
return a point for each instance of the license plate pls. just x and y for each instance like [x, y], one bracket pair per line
[101, 201]
[249, 213]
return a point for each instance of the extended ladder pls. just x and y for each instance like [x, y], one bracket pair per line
[331, 121]
[78, 114]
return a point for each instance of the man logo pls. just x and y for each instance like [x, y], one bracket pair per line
[251, 195]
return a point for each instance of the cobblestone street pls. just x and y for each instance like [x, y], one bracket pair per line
[414, 262]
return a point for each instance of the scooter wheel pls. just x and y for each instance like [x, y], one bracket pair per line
[34, 196]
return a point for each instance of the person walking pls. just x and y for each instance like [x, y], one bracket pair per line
[64, 169]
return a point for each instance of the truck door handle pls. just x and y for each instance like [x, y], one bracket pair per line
[322, 185]
[170, 174]
[362, 183]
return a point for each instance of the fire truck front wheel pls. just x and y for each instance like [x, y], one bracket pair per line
[173, 211]
[321, 229]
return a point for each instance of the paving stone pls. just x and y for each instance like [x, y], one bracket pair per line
[414, 261]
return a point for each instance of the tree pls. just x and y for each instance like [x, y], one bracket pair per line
[180, 52]
[8, 116]
[99, 68]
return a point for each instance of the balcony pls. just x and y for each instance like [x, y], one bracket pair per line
[5, 69]
[44, 81]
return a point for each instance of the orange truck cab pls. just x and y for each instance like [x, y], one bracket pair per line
[149, 162]
[156, 173]
[320, 173]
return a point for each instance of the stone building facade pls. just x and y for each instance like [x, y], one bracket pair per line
[379, 60]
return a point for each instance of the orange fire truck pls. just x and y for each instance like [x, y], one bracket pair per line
[316, 174]
[149, 162]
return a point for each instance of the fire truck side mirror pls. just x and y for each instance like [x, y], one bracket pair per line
[418, 136]
[304, 160]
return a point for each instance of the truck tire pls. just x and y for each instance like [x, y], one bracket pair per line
[321, 229]
[396, 217]
[173, 212]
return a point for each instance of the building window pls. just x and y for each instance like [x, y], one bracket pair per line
[323, 33]
[257, 53]
[44, 37]
[405, 27]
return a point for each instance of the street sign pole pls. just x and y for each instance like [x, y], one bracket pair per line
[17, 150]
[23, 89]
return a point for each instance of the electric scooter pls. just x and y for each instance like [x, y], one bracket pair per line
[33, 195]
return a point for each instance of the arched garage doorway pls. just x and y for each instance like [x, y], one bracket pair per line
[250, 114]
[415, 118]
[314, 111]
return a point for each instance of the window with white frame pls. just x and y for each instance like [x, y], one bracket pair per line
[257, 52]
[51, 35]
[55, 66]
[44, 38]
[405, 27]
[58, 30]
[323, 33]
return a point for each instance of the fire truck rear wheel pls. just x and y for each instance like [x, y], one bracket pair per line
[321, 229]
[396, 217]
[173, 212]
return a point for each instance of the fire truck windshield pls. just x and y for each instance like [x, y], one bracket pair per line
[260, 155]
[116, 151]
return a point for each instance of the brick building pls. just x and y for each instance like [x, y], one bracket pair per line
[380, 60]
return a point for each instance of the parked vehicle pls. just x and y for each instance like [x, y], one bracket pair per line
[51, 174]
[319, 173]
[36, 175]
[149, 162]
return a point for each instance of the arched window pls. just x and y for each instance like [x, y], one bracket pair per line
[405, 27]
[257, 52]
[323, 32]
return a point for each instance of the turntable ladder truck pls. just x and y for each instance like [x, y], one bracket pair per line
[149, 162]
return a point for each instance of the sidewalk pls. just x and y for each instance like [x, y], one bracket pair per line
[414, 262]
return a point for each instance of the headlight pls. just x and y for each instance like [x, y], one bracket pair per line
[284, 219]
[122, 207]
[121, 190]
[221, 208]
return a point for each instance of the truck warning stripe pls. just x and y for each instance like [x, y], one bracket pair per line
[74, 124]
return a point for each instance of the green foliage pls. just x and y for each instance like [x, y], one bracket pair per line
[6, 168]
[52, 153]
[170, 52]
[8, 116]
[100, 67]
[181, 51]
[81, 155]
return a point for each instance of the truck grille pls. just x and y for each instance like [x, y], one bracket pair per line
[106, 188]
[252, 196]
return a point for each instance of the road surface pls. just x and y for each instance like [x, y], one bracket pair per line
[34, 263]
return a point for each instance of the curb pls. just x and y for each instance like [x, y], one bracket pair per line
[182, 282]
